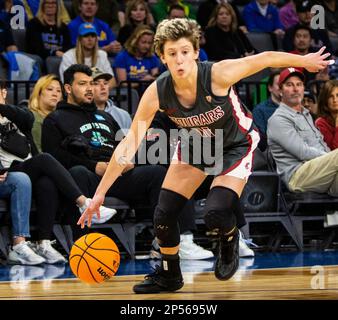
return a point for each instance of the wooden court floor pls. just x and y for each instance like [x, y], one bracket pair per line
[263, 284]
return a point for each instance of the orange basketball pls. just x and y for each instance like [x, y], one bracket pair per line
[94, 258]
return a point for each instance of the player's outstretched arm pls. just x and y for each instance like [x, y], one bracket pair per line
[230, 71]
[125, 151]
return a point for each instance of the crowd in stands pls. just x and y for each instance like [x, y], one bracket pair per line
[109, 42]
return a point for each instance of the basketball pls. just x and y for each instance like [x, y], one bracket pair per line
[94, 258]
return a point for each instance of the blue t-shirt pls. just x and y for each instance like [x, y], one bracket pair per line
[136, 68]
[106, 35]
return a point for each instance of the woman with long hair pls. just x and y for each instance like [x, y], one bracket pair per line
[224, 40]
[47, 34]
[86, 52]
[137, 61]
[327, 122]
[50, 180]
[137, 13]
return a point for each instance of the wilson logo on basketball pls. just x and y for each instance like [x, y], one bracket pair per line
[104, 274]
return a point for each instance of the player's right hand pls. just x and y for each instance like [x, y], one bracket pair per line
[93, 208]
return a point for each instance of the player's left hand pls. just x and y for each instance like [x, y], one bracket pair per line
[315, 62]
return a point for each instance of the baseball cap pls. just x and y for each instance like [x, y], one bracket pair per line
[303, 6]
[288, 72]
[86, 28]
[97, 73]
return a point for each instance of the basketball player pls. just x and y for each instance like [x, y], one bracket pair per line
[199, 97]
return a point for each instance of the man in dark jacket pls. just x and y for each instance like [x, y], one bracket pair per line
[83, 139]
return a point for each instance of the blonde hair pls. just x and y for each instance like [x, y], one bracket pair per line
[79, 52]
[213, 18]
[59, 16]
[131, 43]
[175, 29]
[41, 85]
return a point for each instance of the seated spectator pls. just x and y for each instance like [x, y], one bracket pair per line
[83, 139]
[137, 61]
[32, 8]
[263, 111]
[86, 51]
[327, 121]
[223, 39]
[261, 16]
[206, 8]
[49, 178]
[303, 159]
[319, 37]
[288, 14]
[46, 34]
[107, 11]
[104, 103]
[137, 13]
[46, 94]
[16, 186]
[331, 16]
[106, 38]
[160, 9]
[189, 249]
[302, 46]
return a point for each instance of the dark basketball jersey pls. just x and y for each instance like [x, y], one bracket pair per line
[221, 121]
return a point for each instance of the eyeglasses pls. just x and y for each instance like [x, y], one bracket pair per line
[50, 3]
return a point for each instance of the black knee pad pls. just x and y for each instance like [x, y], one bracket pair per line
[166, 228]
[220, 209]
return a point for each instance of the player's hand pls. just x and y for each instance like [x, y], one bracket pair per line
[315, 62]
[93, 208]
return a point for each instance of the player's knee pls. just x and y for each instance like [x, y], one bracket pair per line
[166, 217]
[219, 212]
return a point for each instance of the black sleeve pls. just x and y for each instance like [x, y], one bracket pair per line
[67, 44]
[6, 37]
[21, 116]
[34, 44]
[51, 140]
[288, 39]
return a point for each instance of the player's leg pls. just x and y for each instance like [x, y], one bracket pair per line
[220, 216]
[179, 185]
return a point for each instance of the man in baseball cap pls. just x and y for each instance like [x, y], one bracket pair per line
[289, 72]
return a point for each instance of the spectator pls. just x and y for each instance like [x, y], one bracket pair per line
[302, 46]
[86, 51]
[319, 37]
[137, 13]
[5, 10]
[288, 14]
[104, 103]
[263, 111]
[327, 122]
[107, 11]
[331, 16]
[88, 10]
[46, 34]
[16, 186]
[223, 38]
[48, 176]
[137, 61]
[302, 157]
[77, 122]
[261, 16]
[32, 8]
[160, 9]
[189, 250]
[46, 94]
[206, 8]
